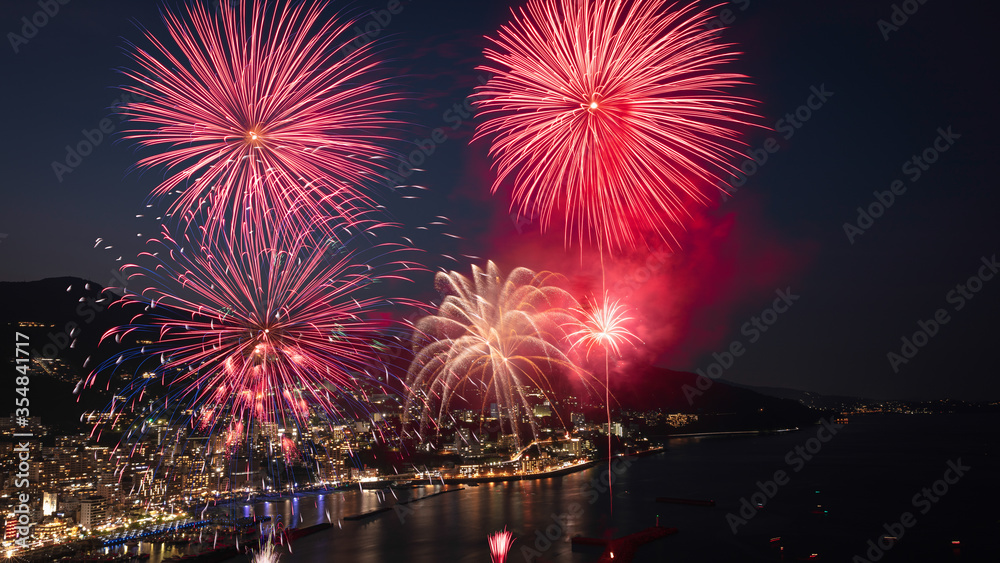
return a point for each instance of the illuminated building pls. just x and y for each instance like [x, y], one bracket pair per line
[48, 503]
[93, 512]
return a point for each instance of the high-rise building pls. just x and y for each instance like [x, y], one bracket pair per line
[617, 429]
[93, 512]
[338, 433]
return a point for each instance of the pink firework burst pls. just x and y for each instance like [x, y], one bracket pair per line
[500, 543]
[604, 325]
[612, 115]
[258, 111]
[271, 329]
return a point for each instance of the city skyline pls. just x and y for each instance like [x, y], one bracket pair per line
[424, 281]
[864, 292]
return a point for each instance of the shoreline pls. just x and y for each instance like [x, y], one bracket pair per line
[543, 474]
[294, 534]
[379, 485]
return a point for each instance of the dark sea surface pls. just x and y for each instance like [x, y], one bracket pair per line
[862, 478]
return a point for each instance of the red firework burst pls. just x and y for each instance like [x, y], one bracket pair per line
[611, 113]
[270, 329]
[257, 114]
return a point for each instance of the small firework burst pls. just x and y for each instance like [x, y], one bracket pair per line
[603, 325]
[500, 543]
[267, 553]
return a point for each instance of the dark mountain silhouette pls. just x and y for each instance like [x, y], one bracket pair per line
[809, 398]
[720, 406]
[64, 319]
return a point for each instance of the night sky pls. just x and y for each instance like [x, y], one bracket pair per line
[885, 101]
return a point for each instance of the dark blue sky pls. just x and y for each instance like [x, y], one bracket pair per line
[889, 99]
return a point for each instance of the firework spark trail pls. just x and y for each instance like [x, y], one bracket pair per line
[500, 543]
[492, 336]
[256, 114]
[269, 329]
[604, 325]
[611, 113]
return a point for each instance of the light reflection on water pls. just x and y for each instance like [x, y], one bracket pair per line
[447, 527]
[863, 476]
[870, 470]
[310, 509]
[300, 511]
[158, 551]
